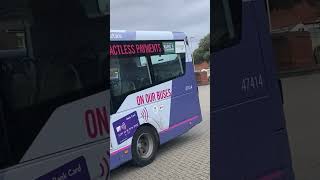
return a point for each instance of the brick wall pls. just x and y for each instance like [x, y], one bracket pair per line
[301, 13]
[293, 50]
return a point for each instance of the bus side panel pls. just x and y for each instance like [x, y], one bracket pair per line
[155, 113]
[179, 129]
[239, 72]
[87, 118]
[249, 151]
[120, 157]
[185, 106]
[185, 101]
[250, 138]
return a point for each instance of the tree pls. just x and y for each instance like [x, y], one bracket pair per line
[202, 53]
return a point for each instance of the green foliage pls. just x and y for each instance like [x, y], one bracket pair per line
[202, 53]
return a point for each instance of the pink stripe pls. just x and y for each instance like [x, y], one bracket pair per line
[274, 175]
[180, 123]
[121, 149]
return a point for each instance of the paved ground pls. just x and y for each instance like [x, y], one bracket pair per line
[302, 108]
[186, 157]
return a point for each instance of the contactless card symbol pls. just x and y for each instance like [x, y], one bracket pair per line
[145, 114]
[123, 126]
[118, 128]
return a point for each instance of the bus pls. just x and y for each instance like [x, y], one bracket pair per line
[250, 139]
[154, 94]
[54, 90]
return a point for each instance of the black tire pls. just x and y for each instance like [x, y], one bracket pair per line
[142, 158]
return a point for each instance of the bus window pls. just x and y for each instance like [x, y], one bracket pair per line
[227, 24]
[13, 55]
[12, 38]
[128, 74]
[166, 67]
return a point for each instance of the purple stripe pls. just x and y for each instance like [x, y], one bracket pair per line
[178, 35]
[122, 36]
[272, 176]
[131, 35]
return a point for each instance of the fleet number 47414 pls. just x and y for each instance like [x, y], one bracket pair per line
[251, 83]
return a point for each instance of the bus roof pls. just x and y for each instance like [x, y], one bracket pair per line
[122, 35]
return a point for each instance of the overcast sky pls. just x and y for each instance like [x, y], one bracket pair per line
[189, 16]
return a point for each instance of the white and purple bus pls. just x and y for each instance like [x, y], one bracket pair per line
[154, 94]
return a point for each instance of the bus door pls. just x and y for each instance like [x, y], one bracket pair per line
[250, 139]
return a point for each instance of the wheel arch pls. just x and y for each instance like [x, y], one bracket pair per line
[149, 126]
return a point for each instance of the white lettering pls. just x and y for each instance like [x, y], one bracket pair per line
[74, 171]
[62, 177]
[251, 83]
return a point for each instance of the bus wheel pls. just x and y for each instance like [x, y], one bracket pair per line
[145, 144]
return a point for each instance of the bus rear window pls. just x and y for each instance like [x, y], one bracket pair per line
[12, 39]
[166, 67]
[227, 21]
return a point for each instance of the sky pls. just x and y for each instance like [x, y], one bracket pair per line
[189, 16]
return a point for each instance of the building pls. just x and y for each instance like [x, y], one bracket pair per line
[296, 35]
[203, 73]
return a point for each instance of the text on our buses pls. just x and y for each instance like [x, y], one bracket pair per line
[153, 96]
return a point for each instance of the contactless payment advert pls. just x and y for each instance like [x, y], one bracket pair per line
[125, 127]
[143, 48]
